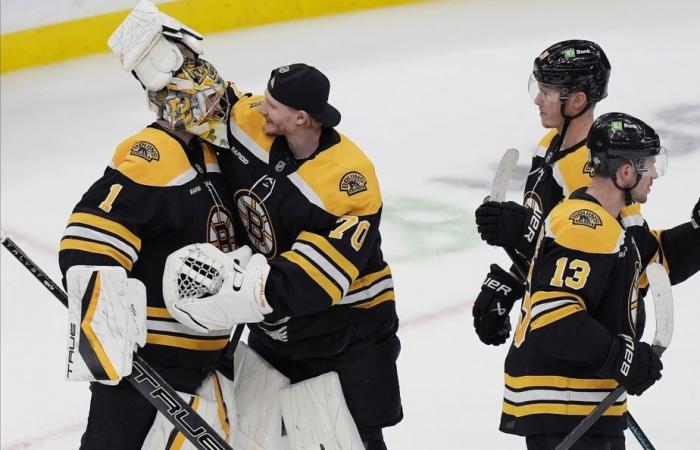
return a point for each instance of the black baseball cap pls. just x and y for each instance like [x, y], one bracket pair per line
[304, 87]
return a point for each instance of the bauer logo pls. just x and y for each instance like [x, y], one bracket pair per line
[586, 218]
[145, 150]
[353, 182]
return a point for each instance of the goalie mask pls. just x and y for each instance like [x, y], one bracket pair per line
[194, 100]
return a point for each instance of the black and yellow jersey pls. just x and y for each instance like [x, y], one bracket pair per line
[583, 292]
[157, 195]
[317, 222]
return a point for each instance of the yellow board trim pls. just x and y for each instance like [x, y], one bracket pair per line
[107, 225]
[557, 314]
[161, 313]
[93, 247]
[319, 277]
[385, 297]
[368, 280]
[532, 381]
[560, 409]
[330, 251]
[87, 36]
[187, 343]
[90, 334]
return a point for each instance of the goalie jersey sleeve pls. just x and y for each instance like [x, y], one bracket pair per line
[151, 201]
[583, 292]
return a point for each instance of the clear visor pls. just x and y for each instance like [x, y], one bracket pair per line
[548, 93]
[656, 166]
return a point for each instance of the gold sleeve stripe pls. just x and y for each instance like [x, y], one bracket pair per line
[369, 279]
[560, 409]
[555, 315]
[531, 381]
[322, 244]
[187, 343]
[541, 296]
[107, 225]
[90, 334]
[221, 410]
[319, 278]
[162, 313]
[92, 247]
[385, 297]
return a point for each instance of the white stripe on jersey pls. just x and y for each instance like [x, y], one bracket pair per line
[89, 233]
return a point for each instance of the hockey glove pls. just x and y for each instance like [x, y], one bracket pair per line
[492, 307]
[633, 364]
[509, 225]
[206, 289]
[695, 216]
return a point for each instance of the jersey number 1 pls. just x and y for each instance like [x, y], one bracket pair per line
[114, 190]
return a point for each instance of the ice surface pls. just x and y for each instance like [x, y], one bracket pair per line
[434, 93]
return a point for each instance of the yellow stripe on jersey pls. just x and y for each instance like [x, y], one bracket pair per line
[344, 180]
[369, 279]
[187, 343]
[585, 226]
[546, 140]
[541, 296]
[93, 247]
[553, 316]
[153, 158]
[560, 409]
[572, 170]
[385, 297]
[90, 334]
[161, 313]
[319, 277]
[107, 225]
[330, 252]
[554, 381]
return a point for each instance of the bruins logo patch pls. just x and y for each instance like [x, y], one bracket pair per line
[145, 150]
[353, 182]
[586, 217]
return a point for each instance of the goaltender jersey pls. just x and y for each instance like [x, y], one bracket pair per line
[583, 292]
[157, 195]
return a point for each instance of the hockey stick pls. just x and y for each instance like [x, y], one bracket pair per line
[143, 377]
[499, 187]
[663, 310]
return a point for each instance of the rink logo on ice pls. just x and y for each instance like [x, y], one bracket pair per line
[353, 182]
[145, 150]
[586, 218]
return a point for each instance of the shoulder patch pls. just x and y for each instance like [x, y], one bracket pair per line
[353, 182]
[586, 217]
[145, 150]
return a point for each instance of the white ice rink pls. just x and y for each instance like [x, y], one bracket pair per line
[433, 93]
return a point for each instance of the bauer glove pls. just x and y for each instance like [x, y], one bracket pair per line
[492, 307]
[633, 364]
[509, 225]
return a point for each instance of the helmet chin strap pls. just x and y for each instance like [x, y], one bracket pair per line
[568, 119]
[627, 191]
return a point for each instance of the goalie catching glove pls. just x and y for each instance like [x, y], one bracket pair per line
[107, 313]
[206, 289]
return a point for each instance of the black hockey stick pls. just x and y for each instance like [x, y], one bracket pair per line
[663, 310]
[143, 377]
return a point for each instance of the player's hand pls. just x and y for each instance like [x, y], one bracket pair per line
[493, 304]
[634, 364]
[508, 225]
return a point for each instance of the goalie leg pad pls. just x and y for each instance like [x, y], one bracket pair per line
[316, 416]
[214, 402]
[107, 314]
[256, 387]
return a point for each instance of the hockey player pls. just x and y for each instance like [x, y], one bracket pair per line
[569, 78]
[162, 189]
[308, 200]
[576, 336]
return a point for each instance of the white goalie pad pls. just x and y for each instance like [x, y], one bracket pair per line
[214, 402]
[141, 45]
[316, 416]
[107, 315]
[256, 387]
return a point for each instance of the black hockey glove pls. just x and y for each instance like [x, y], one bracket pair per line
[509, 225]
[695, 216]
[491, 308]
[633, 364]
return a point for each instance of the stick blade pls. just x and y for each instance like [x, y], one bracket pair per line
[504, 172]
[660, 287]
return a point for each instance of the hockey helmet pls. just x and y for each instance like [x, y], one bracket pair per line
[570, 66]
[194, 100]
[616, 138]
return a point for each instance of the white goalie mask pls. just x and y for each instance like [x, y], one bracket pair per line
[194, 100]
